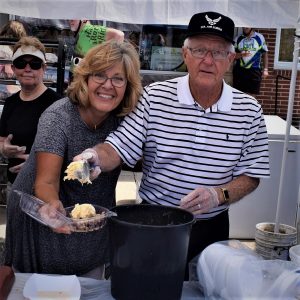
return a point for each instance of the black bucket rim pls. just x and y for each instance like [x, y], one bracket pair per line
[115, 218]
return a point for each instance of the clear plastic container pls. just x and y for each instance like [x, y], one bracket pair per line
[228, 270]
[294, 253]
[42, 212]
[45, 214]
[92, 223]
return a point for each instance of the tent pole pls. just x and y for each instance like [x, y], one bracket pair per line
[288, 127]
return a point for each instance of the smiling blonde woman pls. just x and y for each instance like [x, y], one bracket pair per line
[106, 86]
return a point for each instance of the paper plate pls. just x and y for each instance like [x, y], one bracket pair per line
[49, 287]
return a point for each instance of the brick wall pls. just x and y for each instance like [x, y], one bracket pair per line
[267, 96]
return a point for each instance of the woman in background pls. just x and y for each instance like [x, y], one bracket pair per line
[22, 110]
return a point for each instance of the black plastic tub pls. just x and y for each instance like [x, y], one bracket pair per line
[148, 251]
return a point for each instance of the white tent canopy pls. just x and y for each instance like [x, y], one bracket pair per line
[253, 13]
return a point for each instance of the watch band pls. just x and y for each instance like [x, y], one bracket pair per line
[225, 195]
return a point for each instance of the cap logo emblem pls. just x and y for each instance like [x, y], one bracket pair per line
[212, 21]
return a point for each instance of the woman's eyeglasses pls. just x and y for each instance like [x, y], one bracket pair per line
[22, 63]
[116, 81]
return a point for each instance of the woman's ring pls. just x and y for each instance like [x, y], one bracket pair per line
[199, 205]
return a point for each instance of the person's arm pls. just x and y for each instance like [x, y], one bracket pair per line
[203, 199]
[114, 34]
[48, 169]
[102, 158]
[46, 186]
[266, 65]
[238, 188]
[239, 55]
[108, 157]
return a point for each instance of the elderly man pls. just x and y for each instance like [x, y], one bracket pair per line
[204, 144]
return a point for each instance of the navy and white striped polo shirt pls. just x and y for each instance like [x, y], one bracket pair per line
[184, 146]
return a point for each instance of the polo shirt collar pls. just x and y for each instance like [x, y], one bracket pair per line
[185, 96]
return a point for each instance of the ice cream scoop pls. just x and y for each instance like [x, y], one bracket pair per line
[78, 170]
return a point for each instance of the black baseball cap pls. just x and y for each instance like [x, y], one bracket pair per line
[211, 23]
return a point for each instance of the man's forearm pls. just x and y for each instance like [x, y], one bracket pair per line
[239, 188]
[108, 156]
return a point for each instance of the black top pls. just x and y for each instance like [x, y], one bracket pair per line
[20, 118]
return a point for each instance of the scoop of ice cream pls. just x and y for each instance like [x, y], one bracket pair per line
[81, 211]
[76, 171]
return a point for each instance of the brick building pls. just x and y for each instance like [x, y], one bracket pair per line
[275, 89]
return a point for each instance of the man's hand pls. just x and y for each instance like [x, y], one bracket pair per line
[201, 200]
[12, 151]
[91, 156]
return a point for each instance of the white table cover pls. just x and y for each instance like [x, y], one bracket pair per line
[92, 289]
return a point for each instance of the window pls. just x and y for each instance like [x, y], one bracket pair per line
[284, 49]
[159, 46]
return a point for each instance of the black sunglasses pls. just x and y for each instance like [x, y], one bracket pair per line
[22, 63]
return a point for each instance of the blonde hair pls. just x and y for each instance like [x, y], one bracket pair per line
[13, 29]
[30, 41]
[101, 58]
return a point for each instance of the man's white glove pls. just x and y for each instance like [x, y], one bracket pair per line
[200, 200]
[91, 156]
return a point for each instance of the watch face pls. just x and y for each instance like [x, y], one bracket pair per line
[225, 194]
